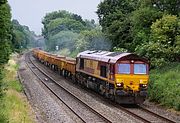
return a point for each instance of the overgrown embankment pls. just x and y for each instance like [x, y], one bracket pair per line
[14, 108]
[164, 85]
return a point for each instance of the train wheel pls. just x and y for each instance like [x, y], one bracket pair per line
[56, 68]
[65, 73]
[74, 79]
[87, 84]
[60, 72]
[112, 97]
[77, 78]
[101, 90]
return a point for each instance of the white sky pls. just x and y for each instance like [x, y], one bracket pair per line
[31, 12]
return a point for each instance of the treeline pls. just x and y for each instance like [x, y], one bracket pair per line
[150, 28]
[13, 37]
[22, 37]
[70, 33]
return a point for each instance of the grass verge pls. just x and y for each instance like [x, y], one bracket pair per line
[164, 86]
[14, 106]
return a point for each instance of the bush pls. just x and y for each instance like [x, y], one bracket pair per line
[3, 118]
[164, 85]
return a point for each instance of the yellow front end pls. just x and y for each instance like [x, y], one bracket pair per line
[131, 89]
[131, 82]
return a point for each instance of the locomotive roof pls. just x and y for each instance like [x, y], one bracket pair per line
[106, 56]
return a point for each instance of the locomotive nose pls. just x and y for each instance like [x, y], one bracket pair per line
[132, 82]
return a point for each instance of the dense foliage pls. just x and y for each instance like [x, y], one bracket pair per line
[22, 37]
[164, 85]
[147, 27]
[164, 44]
[5, 44]
[71, 33]
[5, 32]
[92, 39]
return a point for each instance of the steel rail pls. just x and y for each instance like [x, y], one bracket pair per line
[133, 114]
[94, 111]
[156, 115]
[44, 83]
[127, 111]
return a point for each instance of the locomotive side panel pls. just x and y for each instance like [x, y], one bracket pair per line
[94, 68]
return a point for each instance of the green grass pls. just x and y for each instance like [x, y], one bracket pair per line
[11, 79]
[164, 86]
[14, 106]
[15, 85]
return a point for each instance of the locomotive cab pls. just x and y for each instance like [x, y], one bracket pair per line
[131, 78]
[131, 75]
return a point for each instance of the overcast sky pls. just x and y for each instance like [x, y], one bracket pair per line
[31, 12]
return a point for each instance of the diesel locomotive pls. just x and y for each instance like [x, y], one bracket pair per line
[122, 77]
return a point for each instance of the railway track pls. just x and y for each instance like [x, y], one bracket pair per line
[139, 113]
[156, 115]
[145, 115]
[85, 113]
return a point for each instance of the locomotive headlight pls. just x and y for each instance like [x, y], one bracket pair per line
[119, 84]
[144, 85]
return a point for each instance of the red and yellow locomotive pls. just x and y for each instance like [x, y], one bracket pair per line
[122, 77]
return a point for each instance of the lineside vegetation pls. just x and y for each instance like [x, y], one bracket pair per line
[14, 107]
[164, 85]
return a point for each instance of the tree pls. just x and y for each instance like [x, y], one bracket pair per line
[108, 7]
[141, 21]
[168, 6]
[90, 24]
[62, 28]
[59, 21]
[128, 24]
[92, 40]
[63, 39]
[64, 24]
[115, 22]
[164, 45]
[5, 32]
[5, 43]
[22, 36]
